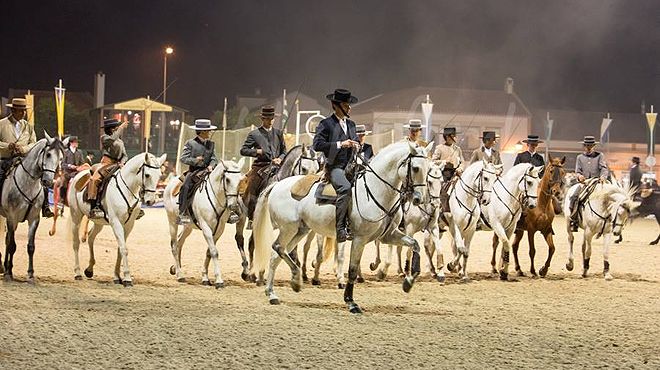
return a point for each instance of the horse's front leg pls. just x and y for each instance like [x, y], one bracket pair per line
[495, 243]
[308, 244]
[339, 269]
[515, 246]
[240, 244]
[505, 255]
[75, 233]
[551, 251]
[320, 246]
[357, 247]
[400, 270]
[396, 237]
[120, 235]
[374, 265]
[571, 240]
[607, 239]
[382, 272]
[586, 252]
[32, 230]
[211, 239]
[10, 249]
[96, 229]
[532, 253]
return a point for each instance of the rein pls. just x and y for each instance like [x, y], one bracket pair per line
[207, 185]
[143, 190]
[605, 219]
[525, 196]
[476, 193]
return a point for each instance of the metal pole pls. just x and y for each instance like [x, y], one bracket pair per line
[224, 128]
[165, 79]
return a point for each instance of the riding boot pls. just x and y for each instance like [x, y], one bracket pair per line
[341, 212]
[45, 206]
[575, 210]
[183, 217]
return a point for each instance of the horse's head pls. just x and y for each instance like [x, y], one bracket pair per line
[231, 177]
[413, 170]
[50, 158]
[489, 174]
[556, 174]
[623, 208]
[149, 173]
[434, 178]
[529, 185]
[307, 162]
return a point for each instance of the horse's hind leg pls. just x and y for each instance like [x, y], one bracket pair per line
[96, 229]
[571, 240]
[607, 238]
[516, 244]
[30, 248]
[177, 248]
[308, 244]
[400, 269]
[586, 253]
[551, 251]
[75, 232]
[10, 249]
[320, 243]
[374, 265]
[285, 236]
[240, 244]
[532, 253]
[382, 272]
[495, 243]
[83, 225]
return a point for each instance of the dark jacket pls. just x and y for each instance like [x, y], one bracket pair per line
[527, 157]
[271, 143]
[635, 176]
[71, 159]
[195, 148]
[367, 151]
[328, 134]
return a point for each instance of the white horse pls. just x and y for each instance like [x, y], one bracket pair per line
[517, 189]
[136, 181]
[23, 194]
[212, 204]
[374, 215]
[424, 218]
[467, 194]
[605, 212]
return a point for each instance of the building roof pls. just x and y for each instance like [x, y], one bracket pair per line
[574, 125]
[449, 100]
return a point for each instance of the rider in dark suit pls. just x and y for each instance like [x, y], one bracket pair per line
[336, 137]
[366, 149]
[530, 155]
[635, 174]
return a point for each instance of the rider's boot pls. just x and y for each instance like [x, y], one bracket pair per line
[574, 213]
[45, 207]
[95, 211]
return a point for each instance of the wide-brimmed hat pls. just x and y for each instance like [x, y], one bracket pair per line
[489, 135]
[268, 111]
[18, 103]
[342, 96]
[203, 125]
[635, 159]
[415, 124]
[589, 140]
[110, 123]
[449, 131]
[532, 139]
[361, 130]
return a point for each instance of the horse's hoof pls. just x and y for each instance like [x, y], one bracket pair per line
[206, 283]
[89, 273]
[569, 265]
[381, 276]
[219, 285]
[172, 270]
[305, 278]
[77, 277]
[116, 281]
[31, 281]
[440, 279]
[260, 283]
[534, 274]
[341, 286]
[608, 276]
[407, 284]
[543, 271]
[494, 271]
[464, 280]
[252, 278]
[181, 280]
[584, 275]
[360, 279]
[655, 242]
[504, 276]
[245, 276]
[520, 273]
[295, 286]
[274, 301]
[316, 282]
[127, 283]
[8, 277]
[354, 308]
[373, 266]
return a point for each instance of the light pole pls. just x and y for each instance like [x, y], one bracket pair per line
[168, 51]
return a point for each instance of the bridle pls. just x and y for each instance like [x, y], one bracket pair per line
[143, 190]
[208, 185]
[605, 219]
[522, 200]
[556, 178]
[476, 193]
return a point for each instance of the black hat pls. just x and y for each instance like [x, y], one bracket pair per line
[532, 139]
[635, 159]
[268, 111]
[490, 135]
[342, 96]
[449, 131]
[589, 140]
[109, 123]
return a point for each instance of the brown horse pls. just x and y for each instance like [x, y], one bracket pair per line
[540, 218]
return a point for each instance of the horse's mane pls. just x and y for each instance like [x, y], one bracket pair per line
[612, 196]
[517, 170]
[286, 168]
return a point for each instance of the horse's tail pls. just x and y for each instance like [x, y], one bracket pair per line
[262, 230]
[328, 248]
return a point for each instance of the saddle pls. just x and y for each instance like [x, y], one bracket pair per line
[325, 192]
[82, 183]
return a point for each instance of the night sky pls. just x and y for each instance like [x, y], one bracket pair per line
[587, 54]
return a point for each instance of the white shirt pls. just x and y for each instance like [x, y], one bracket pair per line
[73, 149]
[342, 123]
[488, 151]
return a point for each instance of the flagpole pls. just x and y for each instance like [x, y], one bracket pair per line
[59, 107]
[224, 128]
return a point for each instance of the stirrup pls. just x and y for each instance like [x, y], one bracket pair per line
[183, 219]
[96, 213]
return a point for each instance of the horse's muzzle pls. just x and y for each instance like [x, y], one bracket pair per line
[417, 198]
[149, 202]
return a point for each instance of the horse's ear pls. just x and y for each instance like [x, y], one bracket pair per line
[50, 139]
[162, 158]
[563, 159]
[65, 142]
[241, 163]
[538, 170]
[413, 149]
[427, 149]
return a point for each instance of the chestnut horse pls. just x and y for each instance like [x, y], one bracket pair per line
[540, 218]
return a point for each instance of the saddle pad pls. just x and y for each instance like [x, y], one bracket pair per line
[82, 181]
[325, 194]
[302, 187]
[177, 189]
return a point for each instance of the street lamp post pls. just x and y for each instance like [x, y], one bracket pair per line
[168, 51]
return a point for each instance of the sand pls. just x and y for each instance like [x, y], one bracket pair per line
[562, 321]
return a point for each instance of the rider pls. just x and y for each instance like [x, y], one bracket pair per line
[452, 154]
[17, 137]
[635, 174]
[366, 149]
[336, 137]
[267, 145]
[415, 127]
[70, 162]
[530, 155]
[487, 151]
[588, 165]
[114, 157]
[199, 154]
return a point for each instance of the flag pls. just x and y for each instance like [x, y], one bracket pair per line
[603, 127]
[59, 106]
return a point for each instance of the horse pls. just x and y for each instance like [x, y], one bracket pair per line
[133, 183]
[540, 218]
[650, 205]
[466, 195]
[510, 195]
[211, 204]
[60, 186]
[396, 171]
[23, 194]
[604, 212]
[299, 160]
[422, 218]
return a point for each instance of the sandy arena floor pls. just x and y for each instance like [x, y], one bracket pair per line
[562, 321]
